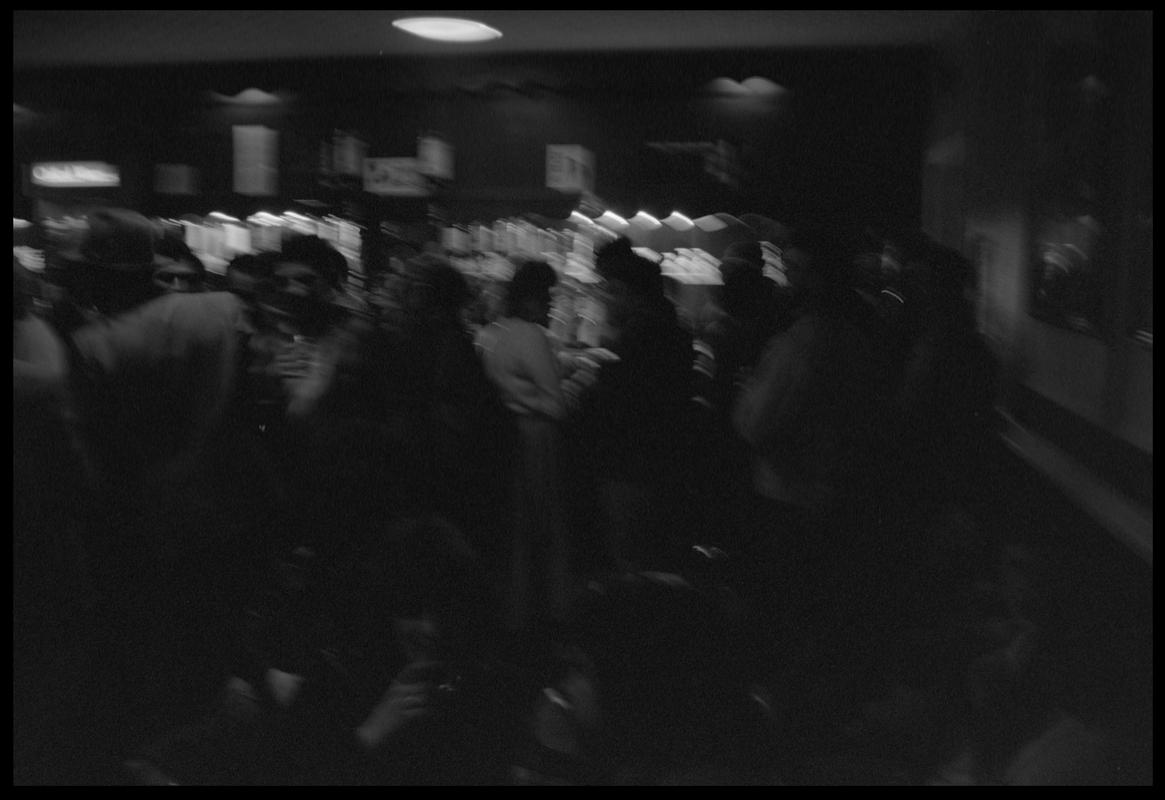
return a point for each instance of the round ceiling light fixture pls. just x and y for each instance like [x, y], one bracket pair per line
[447, 29]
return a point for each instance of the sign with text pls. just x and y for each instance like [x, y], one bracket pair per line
[570, 168]
[395, 177]
[74, 174]
[436, 157]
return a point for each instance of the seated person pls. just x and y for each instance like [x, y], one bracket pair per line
[373, 667]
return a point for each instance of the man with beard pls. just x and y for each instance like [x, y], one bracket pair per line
[309, 382]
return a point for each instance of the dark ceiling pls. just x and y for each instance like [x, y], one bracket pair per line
[45, 39]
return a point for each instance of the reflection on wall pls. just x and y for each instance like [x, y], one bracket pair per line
[1058, 220]
[1073, 205]
[1067, 286]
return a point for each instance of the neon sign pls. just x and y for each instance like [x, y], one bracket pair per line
[74, 174]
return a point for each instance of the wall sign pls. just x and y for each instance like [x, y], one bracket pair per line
[74, 174]
[570, 168]
[395, 177]
[348, 152]
[256, 150]
[435, 156]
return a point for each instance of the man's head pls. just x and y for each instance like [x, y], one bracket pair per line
[306, 277]
[745, 286]
[113, 262]
[249, 275]
[815, 258]
[176, 268]
[617, 263]
[528, 294]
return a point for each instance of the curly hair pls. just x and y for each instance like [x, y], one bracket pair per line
[317, 254]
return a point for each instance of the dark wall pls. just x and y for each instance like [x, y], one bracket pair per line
[845, 137]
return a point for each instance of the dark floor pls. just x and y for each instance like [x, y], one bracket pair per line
[1038, 671]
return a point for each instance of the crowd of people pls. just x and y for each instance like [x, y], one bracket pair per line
[418, 539]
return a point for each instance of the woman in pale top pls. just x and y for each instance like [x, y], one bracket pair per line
[521, 362]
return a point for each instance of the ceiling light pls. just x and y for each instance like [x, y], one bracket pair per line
[447, 29]
[727, 86]
[710, 223]
[645, 220]
[678, 221]
[763, 86]
[250, 97]
[610, 219]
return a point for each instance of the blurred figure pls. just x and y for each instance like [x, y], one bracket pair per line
[632, 424]
[116, 240]
[737, 331]
[250, 275]
[316, 387]
[308, 336]
[452, 439]
[945, 407]
[176, 268]
[174, 529]
[378, 667]
[645, 691]
[520, 361]
[730, 342]
[901, 299]
[805, 415]
[52, 595]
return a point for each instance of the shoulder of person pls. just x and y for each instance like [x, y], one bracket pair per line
[522, 332]
[40, 362]
[532, 331]
[196, 309]
[485, 335]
